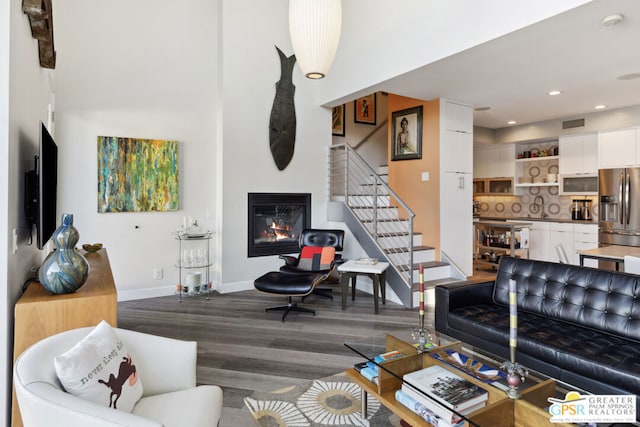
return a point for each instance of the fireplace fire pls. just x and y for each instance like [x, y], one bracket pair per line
[275, 222]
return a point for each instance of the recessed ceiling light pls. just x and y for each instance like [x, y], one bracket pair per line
[511, 122]
[629, 76]
[482, 109]
[554, 92]
[613, 19]
[600, 107]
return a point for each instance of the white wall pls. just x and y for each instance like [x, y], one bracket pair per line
[251, 69]
[25, 91]
[148, 73]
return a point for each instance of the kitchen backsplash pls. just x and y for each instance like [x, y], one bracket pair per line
[555, 206]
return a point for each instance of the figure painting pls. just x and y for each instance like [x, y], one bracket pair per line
[364, 110]
[406, 136]
[137, 175]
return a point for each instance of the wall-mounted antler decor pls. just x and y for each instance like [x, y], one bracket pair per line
[40, 15]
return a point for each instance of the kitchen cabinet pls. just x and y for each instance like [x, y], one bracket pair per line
[539, 241]
[618, 148]
[585, 236]
[455, 236]
[457, 117]
[560, 233]
[493, 186]
[454, 157]
[456, 160]
[494, 162]
[578, 154]
[544, 236]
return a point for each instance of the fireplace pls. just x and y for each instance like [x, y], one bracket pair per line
[275, 222]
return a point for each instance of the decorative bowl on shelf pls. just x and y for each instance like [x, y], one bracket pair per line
[92, 248]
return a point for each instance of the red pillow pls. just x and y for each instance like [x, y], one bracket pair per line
[315, 258]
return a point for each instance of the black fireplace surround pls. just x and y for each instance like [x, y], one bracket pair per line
[275, 222]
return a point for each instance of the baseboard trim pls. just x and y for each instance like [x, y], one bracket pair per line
[164, 291]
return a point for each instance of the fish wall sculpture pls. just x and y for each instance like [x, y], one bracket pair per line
[282, 123]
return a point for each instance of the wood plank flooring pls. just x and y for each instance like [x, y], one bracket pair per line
[242, 348]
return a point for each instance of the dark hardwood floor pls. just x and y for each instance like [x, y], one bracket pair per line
[242, 348]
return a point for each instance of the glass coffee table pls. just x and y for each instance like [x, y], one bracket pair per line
[530, 410]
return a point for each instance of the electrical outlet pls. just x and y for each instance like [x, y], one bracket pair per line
[157, 273]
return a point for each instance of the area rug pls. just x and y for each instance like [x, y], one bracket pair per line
[330, 401]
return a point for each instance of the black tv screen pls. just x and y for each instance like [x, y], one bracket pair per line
[48, 186]
[41, 186]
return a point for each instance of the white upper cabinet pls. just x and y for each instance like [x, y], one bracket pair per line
[618, 148]
[458, 117]
[457, 153]
[494, 162]
[456, 137]
[578, 154]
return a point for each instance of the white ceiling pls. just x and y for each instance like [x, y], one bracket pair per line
[571, 52]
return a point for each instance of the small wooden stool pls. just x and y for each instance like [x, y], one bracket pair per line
[377, 272]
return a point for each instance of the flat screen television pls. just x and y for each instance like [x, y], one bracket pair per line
[41, 186]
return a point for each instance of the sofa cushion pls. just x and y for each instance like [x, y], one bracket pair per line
[99, 368]
[567, 346]
[602, 300]
[199, 406]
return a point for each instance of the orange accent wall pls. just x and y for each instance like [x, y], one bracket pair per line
[405, 176]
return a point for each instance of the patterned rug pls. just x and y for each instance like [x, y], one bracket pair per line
[330, 401]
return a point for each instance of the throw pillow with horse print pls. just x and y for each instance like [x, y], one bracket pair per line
[100, 369]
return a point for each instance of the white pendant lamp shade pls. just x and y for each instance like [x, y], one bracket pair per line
[314, 26]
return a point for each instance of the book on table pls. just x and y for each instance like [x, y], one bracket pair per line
[446, 387]
[427, 413]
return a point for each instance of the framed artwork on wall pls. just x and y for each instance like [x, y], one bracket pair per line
[364, 110]
[406, 134]
[337, 120]
[137, 175]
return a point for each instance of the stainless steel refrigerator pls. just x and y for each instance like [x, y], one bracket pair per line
[619, 200]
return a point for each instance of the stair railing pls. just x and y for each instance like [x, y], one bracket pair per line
[383, 214]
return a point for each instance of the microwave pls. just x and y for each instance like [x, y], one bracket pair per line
[579, 184]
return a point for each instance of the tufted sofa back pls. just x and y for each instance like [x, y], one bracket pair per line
[603, 300]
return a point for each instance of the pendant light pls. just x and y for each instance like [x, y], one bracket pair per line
[314, 26]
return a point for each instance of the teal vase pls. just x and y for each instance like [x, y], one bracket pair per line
[64, 270]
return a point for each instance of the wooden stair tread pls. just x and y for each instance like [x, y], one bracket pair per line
[397, 234]
[405, 249]
[426, 265]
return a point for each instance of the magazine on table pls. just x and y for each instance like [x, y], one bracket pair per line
[446, 387]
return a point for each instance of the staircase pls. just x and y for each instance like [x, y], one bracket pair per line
[383, 225]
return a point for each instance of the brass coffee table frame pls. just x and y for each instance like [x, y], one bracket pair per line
[500, 410]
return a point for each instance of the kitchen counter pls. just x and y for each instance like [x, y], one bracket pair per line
[536, 219]
[502, 223]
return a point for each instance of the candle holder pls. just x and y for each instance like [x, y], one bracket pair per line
[515, 376]
[422, 334]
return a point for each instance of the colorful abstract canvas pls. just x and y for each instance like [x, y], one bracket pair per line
[137, 175]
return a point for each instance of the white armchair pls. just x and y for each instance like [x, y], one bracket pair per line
[166, 366]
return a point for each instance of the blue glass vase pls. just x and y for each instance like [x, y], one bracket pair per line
[64, 270]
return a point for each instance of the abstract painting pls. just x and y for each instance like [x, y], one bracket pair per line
[137, 175]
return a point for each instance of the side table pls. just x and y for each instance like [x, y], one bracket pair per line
[377, 272]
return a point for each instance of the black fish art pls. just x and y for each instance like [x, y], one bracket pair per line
[282, 124]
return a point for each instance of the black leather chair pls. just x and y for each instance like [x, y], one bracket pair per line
[315, 237]
[301, 274]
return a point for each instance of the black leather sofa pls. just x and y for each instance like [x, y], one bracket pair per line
[577, 324]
